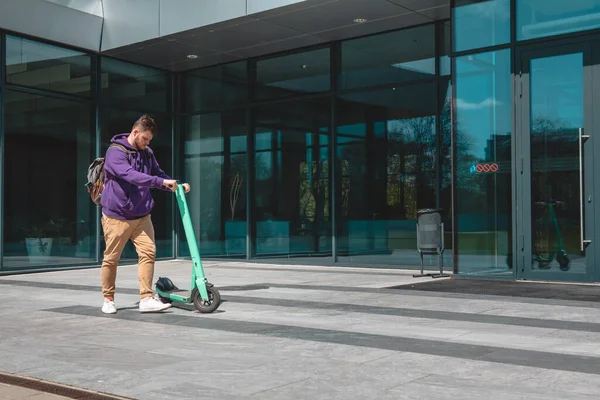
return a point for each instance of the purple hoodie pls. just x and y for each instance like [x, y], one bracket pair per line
[127, 195]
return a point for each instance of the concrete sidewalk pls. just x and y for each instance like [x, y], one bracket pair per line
[299, 332]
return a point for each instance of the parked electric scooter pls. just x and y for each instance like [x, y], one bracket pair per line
[204, 295]
[558, 251]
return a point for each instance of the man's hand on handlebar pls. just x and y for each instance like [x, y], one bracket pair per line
[172, 185]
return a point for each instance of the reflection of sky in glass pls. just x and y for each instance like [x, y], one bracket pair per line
[483, 98]
[481, 24]
[263, 140]
[238, 144]
[557, 90]
[426, 66]
[263, 165]
[539, 18]
[352, 130]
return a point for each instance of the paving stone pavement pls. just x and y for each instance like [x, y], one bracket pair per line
[299, 332]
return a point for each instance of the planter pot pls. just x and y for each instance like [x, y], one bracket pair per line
[235, 237]
[39, 249]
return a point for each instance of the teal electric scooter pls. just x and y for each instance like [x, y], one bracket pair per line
[558, 252]
[204, 295]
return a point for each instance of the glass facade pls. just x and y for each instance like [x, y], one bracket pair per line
[387, 154]
[483, 136]
[480, 23]
[540, 18]
[324, 153]
[48, 144]
[60, 109]
[214, 163]
[291, 207]
[372, 61]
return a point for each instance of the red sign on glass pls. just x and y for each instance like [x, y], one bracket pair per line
[484, 168]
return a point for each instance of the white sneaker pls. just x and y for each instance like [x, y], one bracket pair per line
[109, 307]
[151, 304]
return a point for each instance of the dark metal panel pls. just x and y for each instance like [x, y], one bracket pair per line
[190, 64]
[250, 223]
[97, 71]
[278, 46]
[260, 11]
[249, 33]
[336, 61]
[337, 14]
[165, 52]
[175, 151]
[516, 126]
[417, 5]
[387, 24]
[437, 13]
[455, 265]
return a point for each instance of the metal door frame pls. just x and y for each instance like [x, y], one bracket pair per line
[523, 244]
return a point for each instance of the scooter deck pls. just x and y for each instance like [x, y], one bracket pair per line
[182, 293]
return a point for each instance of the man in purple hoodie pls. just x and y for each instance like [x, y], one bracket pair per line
[130, 172]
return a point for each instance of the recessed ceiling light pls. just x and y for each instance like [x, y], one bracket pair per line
[360, 20]
[304, 66]
[192, 56]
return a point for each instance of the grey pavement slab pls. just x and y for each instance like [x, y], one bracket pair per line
[288, 331]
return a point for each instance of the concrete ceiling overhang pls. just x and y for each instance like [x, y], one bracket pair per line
[306, 23]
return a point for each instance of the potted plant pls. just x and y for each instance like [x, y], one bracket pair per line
[39, 240]
[235, 231]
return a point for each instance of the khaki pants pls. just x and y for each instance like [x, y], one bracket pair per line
[116, 234]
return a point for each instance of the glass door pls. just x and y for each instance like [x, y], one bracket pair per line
[554, 164]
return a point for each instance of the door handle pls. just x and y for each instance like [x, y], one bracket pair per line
[582, 139]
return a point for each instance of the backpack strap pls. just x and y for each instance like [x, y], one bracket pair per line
[123, 149]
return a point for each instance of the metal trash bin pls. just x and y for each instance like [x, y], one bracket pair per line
[430, 238]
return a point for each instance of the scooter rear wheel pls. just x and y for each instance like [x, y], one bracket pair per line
[563, 260]
[214, 300]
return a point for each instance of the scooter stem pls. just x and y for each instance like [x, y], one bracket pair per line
[198, 277]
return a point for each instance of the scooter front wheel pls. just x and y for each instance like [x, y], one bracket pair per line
[214, 300]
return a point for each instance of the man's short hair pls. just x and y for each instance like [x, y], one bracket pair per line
[145, 123]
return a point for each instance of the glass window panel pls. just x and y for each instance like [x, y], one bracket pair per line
[386, 146]
[483, 136]
[372, 60]
[445, 159]
[43, 66]
[307, 72]
[480, 23]
[214, 88]
[557, 113]
[539, 18]
[134, 86]
[291, 206]
[49, 218]
[214, 164]
[114, 121]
